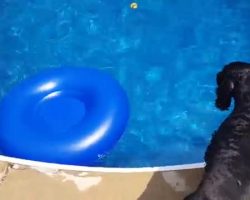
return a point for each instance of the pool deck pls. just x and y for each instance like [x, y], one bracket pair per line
[20, 182]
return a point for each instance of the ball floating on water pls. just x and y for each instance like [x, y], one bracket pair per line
[133, 5]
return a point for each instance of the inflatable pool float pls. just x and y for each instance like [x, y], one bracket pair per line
[63, 115]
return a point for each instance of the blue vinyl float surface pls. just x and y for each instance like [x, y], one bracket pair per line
[63, 115]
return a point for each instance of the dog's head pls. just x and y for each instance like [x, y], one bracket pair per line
[232, 82]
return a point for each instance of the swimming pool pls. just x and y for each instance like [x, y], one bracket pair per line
[165, 54]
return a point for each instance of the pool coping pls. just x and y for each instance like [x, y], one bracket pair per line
[54, 166]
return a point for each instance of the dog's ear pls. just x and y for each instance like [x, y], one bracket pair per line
[224, 91]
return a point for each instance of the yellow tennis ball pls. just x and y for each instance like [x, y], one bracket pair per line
[134, 5]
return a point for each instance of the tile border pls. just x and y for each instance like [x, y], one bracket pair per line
[54, 166]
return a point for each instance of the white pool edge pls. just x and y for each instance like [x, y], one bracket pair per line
[54, 166]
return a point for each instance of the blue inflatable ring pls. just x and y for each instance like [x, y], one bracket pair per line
[63, 115]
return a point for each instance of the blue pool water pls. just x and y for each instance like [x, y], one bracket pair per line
[165, 54]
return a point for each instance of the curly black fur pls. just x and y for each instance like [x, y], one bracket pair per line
[227, 171]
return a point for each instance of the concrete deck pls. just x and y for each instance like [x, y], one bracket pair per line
[19, 182]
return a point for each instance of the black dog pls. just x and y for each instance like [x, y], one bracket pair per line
[227, 171]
